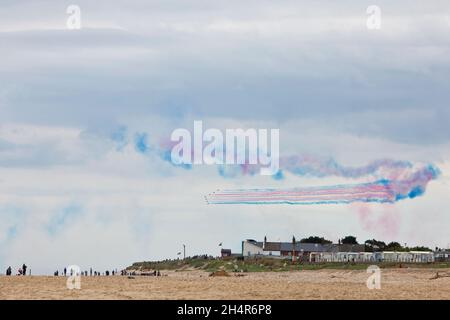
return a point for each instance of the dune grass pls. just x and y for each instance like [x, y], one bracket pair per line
[266, 264]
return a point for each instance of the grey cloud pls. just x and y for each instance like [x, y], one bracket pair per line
[262, 62]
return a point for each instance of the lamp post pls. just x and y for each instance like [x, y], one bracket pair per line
[184, 252]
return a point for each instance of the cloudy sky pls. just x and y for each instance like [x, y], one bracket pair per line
[76, 189]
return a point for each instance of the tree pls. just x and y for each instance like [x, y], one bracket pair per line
[349, 240]
[394, 246]
[315, 239]
[374, 245]
[421, 248]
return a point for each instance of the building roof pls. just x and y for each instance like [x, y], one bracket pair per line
[286, 246]
[421, 252]
[270, 246]
[345, 247]
[308, 247]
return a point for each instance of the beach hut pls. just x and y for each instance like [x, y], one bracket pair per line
[422, 256]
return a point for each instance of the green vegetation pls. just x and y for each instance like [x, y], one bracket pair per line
[315, 239]
[265, 264]
[349, 240]
[375, 245]
[371, 245]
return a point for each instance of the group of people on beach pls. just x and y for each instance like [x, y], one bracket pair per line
[154, 273]
[91, 273]
[21, 272]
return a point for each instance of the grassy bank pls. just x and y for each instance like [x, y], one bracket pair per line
[266, 264]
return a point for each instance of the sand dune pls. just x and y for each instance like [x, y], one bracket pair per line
[322, 284]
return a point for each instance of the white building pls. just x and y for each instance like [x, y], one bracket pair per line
[253, 248]
[442, 255]
[411, 256]
[344, 257]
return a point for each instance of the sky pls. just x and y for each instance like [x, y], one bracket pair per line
[80, 111]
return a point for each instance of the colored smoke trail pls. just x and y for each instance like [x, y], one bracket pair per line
[308, 165]
[409, 185]
[390, 180]
[384, 221]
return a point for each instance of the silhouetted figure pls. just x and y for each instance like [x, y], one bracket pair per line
[90, 272]
[24, 269]
[8, 271]
[56, 273]
[159, 274]
[65, 272]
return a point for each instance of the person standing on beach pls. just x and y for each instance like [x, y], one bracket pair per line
[8, 271]
[65, 272]
[24, 269]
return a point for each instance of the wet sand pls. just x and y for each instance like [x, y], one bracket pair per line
[321, 284]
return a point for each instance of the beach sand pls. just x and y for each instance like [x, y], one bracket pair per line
[321, 284]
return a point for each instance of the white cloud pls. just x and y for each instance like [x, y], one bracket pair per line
[133, 207]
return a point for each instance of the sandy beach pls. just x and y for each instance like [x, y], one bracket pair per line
[321, 284]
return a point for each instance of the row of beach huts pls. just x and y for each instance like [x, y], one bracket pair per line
[384, 256]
